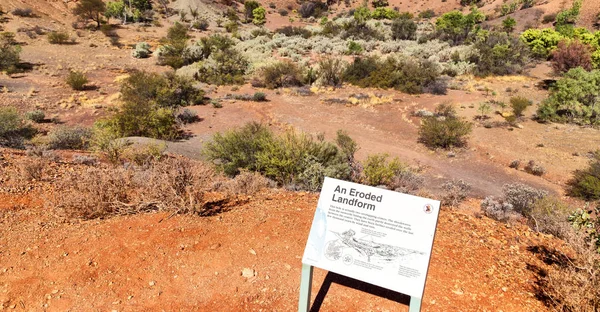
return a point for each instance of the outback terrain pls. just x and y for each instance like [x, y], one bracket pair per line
[138, 214]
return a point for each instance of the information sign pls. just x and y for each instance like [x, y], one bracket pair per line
[373, 235]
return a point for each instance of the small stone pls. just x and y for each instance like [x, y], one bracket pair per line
[152, 283]
[252, 251]
[248, 273]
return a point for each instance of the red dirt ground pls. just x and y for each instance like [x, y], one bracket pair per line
[154, 262]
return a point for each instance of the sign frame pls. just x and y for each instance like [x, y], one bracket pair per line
[304, 302]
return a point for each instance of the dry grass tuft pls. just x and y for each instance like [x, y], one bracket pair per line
[572, 283]
[173, 184]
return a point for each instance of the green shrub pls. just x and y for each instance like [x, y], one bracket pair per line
[500, 54]
[519, 104]
[13, 132]
[167, 90]
[360, 69]
[290, 159]
[58, 37]
[259, 16]
[378, 170]
[10, 121]
[549, 18]
[249, 7]
[331, 71]
[187, 116]
[380, 3]
[22, 12]
[404, 29]
[404, 75]
[142, 119]
[444, 132]
[173, 51]
[280, 74]
[223, 68]
[508, 24]
[314, 8]
[573, 98]
[541, 41]
[69, 138]
[9, 53]
[568, 17]
[76, 80]
[354, 48]
[586, 182]
[259, 97]
[457, 27]
[429, 13]
[357, 31]
[384, 13]
[238, 149]
[177, 32]
[36, 116]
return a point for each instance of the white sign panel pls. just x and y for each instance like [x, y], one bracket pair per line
[373, 235]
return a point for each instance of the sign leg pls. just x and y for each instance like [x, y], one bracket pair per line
[415, 304]
[305, 287]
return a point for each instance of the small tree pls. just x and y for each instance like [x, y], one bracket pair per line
[508, 24]
[90, 10]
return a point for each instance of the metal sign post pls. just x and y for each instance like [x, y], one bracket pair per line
[306, 286]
